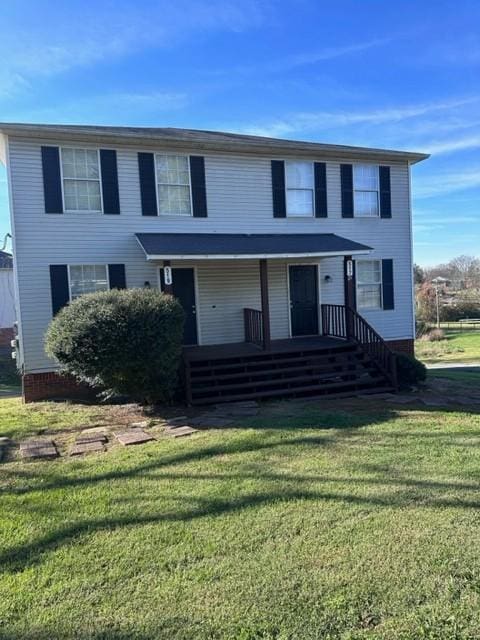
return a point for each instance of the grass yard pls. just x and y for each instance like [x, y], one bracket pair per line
[354, 520]
[457, 347]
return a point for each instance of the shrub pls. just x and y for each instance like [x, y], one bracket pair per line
[410, 371]
[127, 342]
[434, 335]
[460, 311]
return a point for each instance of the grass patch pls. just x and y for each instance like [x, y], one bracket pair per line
[470, 377]
[458, 346]
[344, 520]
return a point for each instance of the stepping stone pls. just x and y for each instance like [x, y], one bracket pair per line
[179, 432]
[33, 449]
[95, 430]
[132, 436]
[86, 447]
[139, 425]
[87, 438]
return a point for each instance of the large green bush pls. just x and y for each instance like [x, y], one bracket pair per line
[126, 342]
[410, 371]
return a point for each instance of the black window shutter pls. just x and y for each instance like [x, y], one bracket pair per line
[320, 170]
[108, 164]
[385, 192]
[278, 189]
[346, 181]
[116, 276]
[148, 190]
[199, 192]
[59, 289]
[52, 183]
[388, 295]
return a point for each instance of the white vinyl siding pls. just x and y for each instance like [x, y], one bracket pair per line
[299, 183]
[81, 179]
[369, 284]
[239, 201]
[173, 185]
[87, 278]
[365, 191]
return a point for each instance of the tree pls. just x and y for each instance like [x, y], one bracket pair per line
[466, 269]
[426, 302]
[418, 274]
[125, 342]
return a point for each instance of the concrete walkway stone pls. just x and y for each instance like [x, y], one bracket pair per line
[179, 432]
[87, 447]
[132, 436]
[38, 448]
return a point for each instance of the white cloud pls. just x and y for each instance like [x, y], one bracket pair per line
[449, 146]
[75, 38]
[444, 183]
[324, 120]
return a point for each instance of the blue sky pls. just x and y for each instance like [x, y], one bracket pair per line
[402, 75]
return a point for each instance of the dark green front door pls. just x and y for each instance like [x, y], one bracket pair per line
[303, 299]
[183, 288]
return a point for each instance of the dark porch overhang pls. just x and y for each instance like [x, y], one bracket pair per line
[211, 246]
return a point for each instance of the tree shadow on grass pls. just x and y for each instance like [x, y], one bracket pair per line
[338, 427]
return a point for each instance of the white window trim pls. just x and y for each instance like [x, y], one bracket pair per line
[299, 216]
[360, 164]
[180, 155]
[86, 264]
[380, 283]
[81, 211]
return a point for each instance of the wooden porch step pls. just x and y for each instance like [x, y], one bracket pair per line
[286, 378]
[248, 371]
[270, 359]
[346, 388]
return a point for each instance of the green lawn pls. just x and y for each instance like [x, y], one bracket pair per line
[358, 520]
[457, 347]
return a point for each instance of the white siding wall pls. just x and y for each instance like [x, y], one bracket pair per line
[7, 299]
[239, 200]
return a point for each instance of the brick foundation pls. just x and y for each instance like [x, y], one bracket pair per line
[51, 385]
[6, 335]
[404, 346]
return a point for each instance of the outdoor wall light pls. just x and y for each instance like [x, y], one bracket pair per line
[328, 278]
[146, 284]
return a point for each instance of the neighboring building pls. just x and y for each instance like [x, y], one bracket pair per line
[7, 302]
[257, 237]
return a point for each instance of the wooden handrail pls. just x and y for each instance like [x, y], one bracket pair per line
[340, 321]
[253, 323]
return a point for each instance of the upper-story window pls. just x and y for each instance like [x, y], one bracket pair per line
[369, 284]
[87, 278]
[365, 186]
[173, 183]
[81, 179]
[299, 183]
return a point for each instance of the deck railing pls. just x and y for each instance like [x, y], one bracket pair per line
[340, 321]
[253, 322]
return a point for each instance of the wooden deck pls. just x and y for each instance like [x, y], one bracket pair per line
[241, 349]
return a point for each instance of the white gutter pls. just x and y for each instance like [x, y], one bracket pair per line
[252, 256]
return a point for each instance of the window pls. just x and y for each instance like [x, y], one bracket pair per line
[365, 185]
[81, 180]
[173, 180]
[299, 185]
[369, 284]
[87, 278]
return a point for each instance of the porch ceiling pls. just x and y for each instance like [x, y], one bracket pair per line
[211, 246]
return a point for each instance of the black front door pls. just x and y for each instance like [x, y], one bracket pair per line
[183, 288]
[304, 299]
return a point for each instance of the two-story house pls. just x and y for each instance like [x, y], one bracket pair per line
[292, 260]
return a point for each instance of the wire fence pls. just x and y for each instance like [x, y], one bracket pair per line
[460, 325]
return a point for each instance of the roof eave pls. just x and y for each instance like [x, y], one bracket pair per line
[266, 146]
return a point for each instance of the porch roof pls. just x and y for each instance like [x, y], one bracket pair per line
[208, 246]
